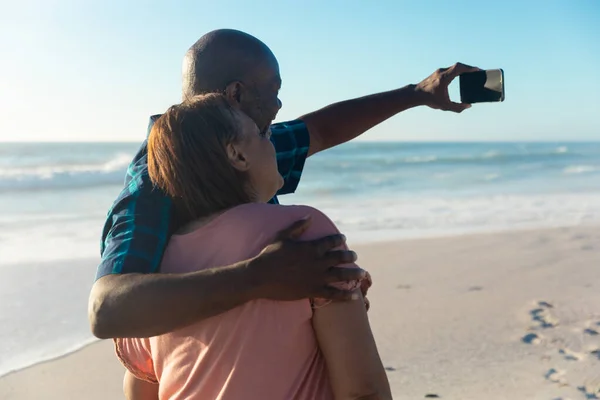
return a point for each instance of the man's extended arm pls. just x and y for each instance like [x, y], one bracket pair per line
[343, 121]
[137, 305]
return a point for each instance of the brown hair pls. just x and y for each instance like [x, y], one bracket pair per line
[187, 157]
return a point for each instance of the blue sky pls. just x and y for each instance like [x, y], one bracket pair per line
[95, 70]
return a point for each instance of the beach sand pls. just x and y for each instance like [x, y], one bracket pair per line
[512, 315]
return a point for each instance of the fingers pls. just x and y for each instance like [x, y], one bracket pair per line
[443, 77]
[368, 279]
[327, 243]
[457, 107]
[295, 230]
[339, 274]
[452, 72]
[337, 257]
[365, 284]
[331, 293]
[459, 69]
[448, 75]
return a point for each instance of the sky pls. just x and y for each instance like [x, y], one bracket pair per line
[91, 70]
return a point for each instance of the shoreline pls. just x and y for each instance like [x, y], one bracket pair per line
[357, 245]
[451, 316]
[75, 349]
[462, 233]
[380, 236]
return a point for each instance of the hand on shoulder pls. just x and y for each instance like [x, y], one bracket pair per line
[303, 260]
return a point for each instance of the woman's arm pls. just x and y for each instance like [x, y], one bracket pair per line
[344, 335]
[137, 389]
[347, 343]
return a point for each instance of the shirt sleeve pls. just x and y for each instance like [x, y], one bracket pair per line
[291, 140]
[136, 230]
[135, 355]
[323, 226]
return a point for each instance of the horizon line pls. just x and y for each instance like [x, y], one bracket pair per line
[354, 140]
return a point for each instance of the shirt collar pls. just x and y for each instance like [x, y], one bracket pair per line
[151, 123]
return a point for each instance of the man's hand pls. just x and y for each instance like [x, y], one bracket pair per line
[434, 89]
[293, 270]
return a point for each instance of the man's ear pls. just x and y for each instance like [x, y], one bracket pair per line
[237, 157]
[233, 92]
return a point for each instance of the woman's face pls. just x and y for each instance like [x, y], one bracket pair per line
[256, 155]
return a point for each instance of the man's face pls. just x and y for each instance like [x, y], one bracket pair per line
[261, 90]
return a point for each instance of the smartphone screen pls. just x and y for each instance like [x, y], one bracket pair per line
[482, 86]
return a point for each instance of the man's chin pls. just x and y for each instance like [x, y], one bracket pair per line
[268, 126]
[264, 130]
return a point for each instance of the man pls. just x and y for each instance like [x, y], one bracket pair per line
[129, 299]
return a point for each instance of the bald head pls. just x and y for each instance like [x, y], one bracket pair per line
[221, 57]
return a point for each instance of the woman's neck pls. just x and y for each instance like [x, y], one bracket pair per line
[191, 226]
[197, 223]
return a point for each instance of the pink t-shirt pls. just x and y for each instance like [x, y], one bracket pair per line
[263, 349]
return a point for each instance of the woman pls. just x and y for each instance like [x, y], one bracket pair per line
[221, 172]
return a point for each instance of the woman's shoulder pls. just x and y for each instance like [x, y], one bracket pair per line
[293, 212]
[250, 227]
[261, 217]
[272, 218]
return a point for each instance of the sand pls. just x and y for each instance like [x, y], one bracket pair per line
[513, 315]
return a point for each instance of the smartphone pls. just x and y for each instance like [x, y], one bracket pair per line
[482, 86]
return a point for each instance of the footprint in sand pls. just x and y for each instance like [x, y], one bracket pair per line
[590, 392]
[596, 353]
[532, 338]
[591, 332]
[556, 376]
[571, 355]
[542, 315]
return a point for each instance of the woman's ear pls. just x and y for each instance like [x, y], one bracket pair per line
[237, 158]
[233, 92]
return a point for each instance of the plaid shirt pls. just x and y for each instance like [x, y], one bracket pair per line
[141, 220]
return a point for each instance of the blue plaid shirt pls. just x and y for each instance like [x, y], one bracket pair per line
[141, 220]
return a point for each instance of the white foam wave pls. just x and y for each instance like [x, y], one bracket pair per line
[417, 216]
[580, 169]
[491, 177]
[65, 175]
[561, 149]
[420, 159]
[488, 156]
[491, 154]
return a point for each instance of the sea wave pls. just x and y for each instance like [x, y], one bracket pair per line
[64, 176]
[580, 169]
[561, 149]
[486, 157]
[413, 216]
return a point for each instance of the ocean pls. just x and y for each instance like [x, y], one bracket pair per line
[54, 197]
